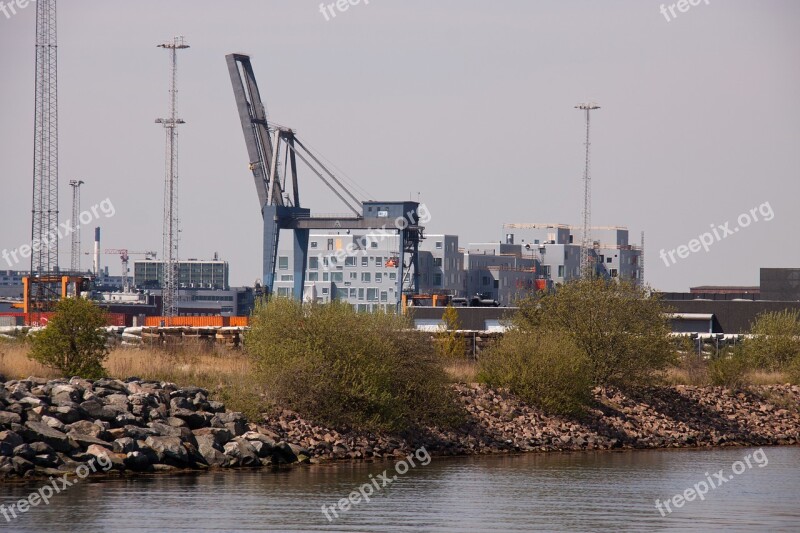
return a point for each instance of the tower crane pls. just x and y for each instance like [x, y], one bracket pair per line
[124, 256]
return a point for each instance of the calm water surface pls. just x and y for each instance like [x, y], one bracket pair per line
[552, 492]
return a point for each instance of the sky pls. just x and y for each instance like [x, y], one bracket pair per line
[465, 105]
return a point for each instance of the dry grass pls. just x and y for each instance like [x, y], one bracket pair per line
[227, 374]
[696, 376]
[462, 370]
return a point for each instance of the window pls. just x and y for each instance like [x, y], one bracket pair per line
[613, 272]
[361, 294]
[602, 258]
[497, 284]
[366, 277]
[337, 277]
[438, 245]
[313, 244]
[437, 261]
[378, 277]
[283, 263]
[546, 270]
[393, 276]
[341, 294]
[330, 245]
[324, 290]
[350, 261]
[325, 276]
[384, 296]
[373, 244]
[608, 259]
[365, 261]
[313, 263]
[287, 277]
[353, 293]
[560, 271]
[485, 280]
[372, 295]
[437, 279]
[353, 275]
[313, 276]
[285, 291]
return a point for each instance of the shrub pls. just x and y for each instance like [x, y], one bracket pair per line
[777, 339]
[449, 344]
[729, 370]
[73, 341]
[362, 371]
[543, 368]
[621, 328]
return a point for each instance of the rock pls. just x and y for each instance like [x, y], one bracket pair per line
[54, 423]
[124, 445]
[97, 411]
[87, 440]
[241, 452]
[211, 451]
[67, 414]
[21, 465]
[138, 462]
[11, 439]
[164, 430]
[24, 451]
[220, 435]
[107, 456]
[37, 431]
[170, 450]
[8, 418]
[193, 419]
[85, 427]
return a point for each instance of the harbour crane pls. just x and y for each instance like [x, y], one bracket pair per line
[268, 145]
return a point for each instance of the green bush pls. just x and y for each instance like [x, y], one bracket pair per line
[543, 368]
[449, 345]
[622, 329]
[777, 339]
[362, 371]
[73, 341]
[729, 370]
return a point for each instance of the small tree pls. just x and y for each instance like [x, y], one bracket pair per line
[448, 343]
[777, 339]
[622, 329]
[73, 341]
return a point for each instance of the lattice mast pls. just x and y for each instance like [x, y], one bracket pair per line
[44, 224]
[171, 227]
[586, 237]
[75, 249]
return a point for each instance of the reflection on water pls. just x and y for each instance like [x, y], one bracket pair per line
[578, 492]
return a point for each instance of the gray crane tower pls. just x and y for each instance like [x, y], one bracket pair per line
[267, 146]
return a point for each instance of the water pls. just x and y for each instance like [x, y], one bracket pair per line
[601, 491]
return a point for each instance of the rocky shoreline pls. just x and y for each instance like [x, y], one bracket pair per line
[50, 428]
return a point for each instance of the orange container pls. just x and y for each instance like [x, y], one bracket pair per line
[240, 321]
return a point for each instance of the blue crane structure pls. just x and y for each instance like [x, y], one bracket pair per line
[269, 145]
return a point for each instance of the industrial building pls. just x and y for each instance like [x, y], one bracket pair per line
[191, 274]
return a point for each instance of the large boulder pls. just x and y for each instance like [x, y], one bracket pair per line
[169, 450]
[38, 431]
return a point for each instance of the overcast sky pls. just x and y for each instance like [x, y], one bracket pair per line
[467, 104]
